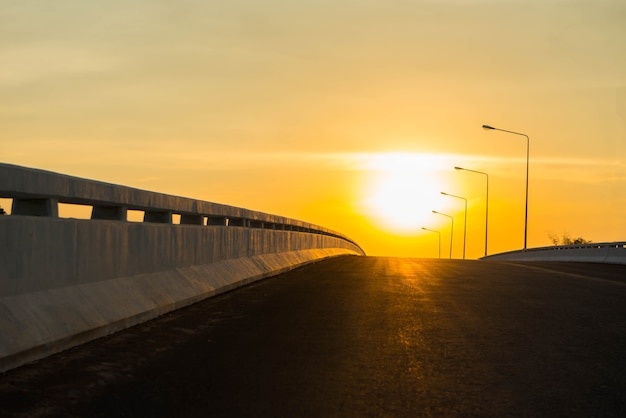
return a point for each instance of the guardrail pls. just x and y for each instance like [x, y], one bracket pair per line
[38, 193]
[602, 252]
[65, 281]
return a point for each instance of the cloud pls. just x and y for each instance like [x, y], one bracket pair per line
[22, 64]
[580, 170]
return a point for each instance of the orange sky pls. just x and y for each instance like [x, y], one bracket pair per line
[320, 111]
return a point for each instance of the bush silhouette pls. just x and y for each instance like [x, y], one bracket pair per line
[566, 239]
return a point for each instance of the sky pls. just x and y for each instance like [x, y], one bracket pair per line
[347, 114]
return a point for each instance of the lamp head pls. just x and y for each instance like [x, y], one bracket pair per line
[488, 127]
[444, 193]
[459, 168]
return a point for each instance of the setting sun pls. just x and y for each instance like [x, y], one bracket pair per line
[403, 191]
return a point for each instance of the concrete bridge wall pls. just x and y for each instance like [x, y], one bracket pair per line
[67, 281]
[605, 252]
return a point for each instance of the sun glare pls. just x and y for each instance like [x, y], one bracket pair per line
[404, 190]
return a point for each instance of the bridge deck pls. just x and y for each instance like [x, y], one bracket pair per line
[359, 336]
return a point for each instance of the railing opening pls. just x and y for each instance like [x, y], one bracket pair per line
[72, 211]
[216, 220]
[6, 204]
[135, 215]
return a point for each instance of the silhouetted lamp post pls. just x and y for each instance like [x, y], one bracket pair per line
[432, 230]
[486, 202]
[451, 229]
[527, 163]
[464, 222]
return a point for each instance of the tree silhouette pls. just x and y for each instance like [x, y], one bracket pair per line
[566, 239]
[2, 212]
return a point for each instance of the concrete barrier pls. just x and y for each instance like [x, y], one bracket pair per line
[605, 252]
[67, 281]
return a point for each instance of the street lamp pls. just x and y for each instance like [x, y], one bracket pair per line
[527, 163]
[486, 202]
[464, 222]
[451, 229]
[432, 230]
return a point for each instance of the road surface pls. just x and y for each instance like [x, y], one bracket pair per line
[359, 337]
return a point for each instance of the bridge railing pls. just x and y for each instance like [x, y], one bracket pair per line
[601, 252]
[39, 193]
[67, 281]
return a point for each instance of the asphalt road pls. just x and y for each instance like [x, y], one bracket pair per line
[359, 337]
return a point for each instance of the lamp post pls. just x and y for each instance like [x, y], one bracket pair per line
[451, 229]
[487, 127]
[464, 222]
[432, 230]
[486, 203]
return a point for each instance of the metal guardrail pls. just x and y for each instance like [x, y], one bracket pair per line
[38, 193]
